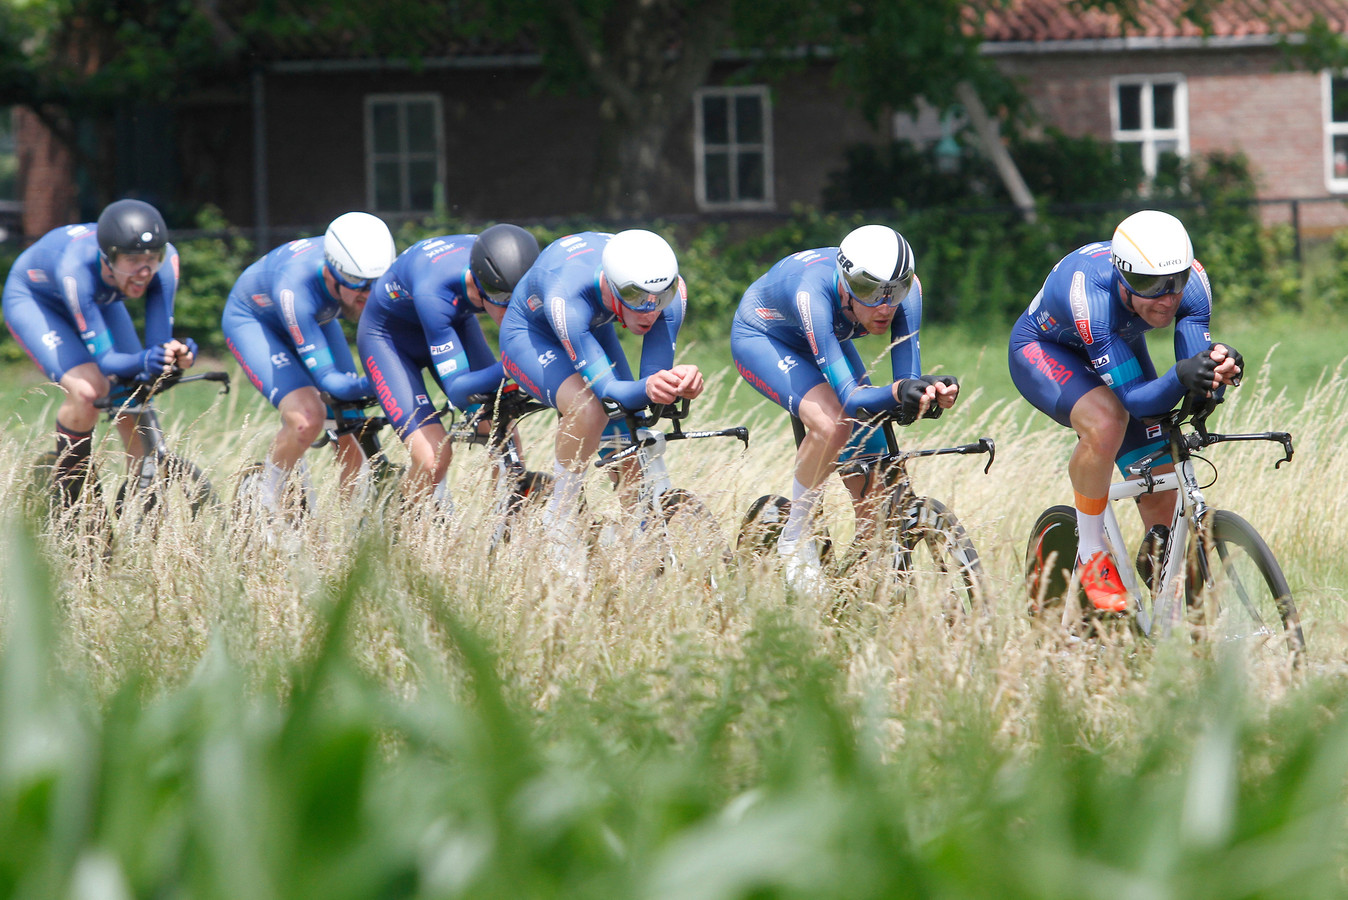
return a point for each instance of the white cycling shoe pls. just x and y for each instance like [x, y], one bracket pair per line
[801, 565]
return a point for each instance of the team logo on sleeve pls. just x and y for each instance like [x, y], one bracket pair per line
[807, 320]
[557, 310]
[261, 300]
[36, 276]
[1081, 313]
[533, 302]
[767, 314]
[292, 321]
[73, 302]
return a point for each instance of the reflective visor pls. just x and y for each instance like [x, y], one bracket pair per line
[638, 299]
[495, 298]
[869, 292]
[1149, 287]
[361, 285]
[129, 264]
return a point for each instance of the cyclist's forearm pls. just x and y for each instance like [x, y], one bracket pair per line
[476, 381]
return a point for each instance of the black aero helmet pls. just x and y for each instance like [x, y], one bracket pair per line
[501, 255]
[131, 226]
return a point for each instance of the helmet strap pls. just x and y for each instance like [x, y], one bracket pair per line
[614, 303]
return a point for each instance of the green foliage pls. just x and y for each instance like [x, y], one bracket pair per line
[745, 776]
[210, 266]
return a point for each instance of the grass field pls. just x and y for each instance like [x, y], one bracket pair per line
[385, 709]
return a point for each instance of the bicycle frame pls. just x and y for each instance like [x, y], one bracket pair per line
[135, 400]
[1190, 516]
[647, 446]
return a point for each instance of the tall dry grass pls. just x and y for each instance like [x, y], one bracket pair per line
[163, 597]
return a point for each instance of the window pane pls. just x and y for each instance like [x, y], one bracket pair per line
[384, 120]
[420, 128]
[715, 120]
[1130, 107]
[749, 119]
[1341, 156]
[421, 185]
[387, 194]
[718, 177]
[750, 172]
[1338, 99]
[1163, 105]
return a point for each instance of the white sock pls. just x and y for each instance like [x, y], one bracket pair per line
[1090, 535]
[273, 479]
[802, 505]
[444, 500]
[565, 498]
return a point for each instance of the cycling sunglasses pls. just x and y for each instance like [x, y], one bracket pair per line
[495, 298]
[362, 285]
[147, 259]
[638, 299]
[871, 293]
[1149, 287]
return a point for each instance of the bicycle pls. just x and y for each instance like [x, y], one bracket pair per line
[1216, 575]
[515, 484]
[143, 496]
[916, 538]
[379, 475]
[675, 516]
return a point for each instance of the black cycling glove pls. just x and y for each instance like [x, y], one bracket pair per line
[1197, 373]
[910, 392]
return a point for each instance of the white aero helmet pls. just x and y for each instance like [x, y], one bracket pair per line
[358, 248]
[641, 270]
[876, 265]
[1152, 253]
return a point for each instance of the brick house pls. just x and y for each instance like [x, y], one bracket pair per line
[303, 140]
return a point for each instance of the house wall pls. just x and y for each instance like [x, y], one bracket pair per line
[514, 153]
[1238, 101]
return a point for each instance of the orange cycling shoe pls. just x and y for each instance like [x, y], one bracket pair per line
[1100, 580]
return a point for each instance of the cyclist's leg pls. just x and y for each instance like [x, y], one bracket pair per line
[395, 360]
[272, 368]
[788, 377]
[55, 347]
[1061, 383]
[868, 490]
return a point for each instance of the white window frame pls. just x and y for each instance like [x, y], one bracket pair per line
[402, 156]
[1336, 185]
[1149, 135]
[700, 148]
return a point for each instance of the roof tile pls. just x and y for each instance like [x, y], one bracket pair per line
[1065, 20]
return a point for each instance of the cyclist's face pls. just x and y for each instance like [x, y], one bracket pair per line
[640, 322]
[1158, 312]
[352, 302]
[875, 319]
[131, 273]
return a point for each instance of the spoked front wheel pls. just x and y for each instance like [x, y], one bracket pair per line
[691, 532]
[1238, 590]
[932, 554]
[164, 484]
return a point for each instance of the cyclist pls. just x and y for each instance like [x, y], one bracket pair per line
[558, 341]
[65, 303]
[792, 339]
[1079, 355]
[280, 322]
[423, 314]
